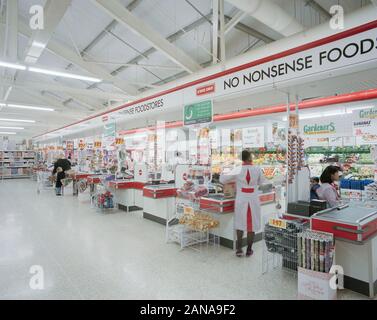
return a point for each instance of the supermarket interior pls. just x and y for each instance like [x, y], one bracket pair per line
[188, 149]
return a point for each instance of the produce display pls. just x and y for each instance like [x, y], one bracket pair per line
[199, 221]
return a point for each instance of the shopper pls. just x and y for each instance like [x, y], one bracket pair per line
[65, 165]
[328, 190]
[247, 206]
[314, 185]
[60, 175]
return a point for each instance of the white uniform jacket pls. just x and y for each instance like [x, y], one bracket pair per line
[247, 206]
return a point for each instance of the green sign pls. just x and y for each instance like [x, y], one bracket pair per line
[197, 113]
[109, 130]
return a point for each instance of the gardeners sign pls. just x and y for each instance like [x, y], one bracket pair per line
[319, 128]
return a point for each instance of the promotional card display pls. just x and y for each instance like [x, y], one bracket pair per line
[315, 250]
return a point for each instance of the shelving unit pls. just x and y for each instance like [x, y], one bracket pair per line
[16, 164]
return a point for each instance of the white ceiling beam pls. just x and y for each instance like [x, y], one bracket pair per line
[116, 10]
[11, 42]
[71, 56]
[234, 21]
[61, 88]
[11, 45]
[270, 14]
[215, 31]
[54, 12]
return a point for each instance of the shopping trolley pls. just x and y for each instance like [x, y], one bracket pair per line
[44, 180]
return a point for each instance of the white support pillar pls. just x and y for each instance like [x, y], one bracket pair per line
[222, 31]
[215, 33]
[218, 37]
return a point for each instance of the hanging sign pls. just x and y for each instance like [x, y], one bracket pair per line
[109, 134]
[198, 113]
[82, 144]
[365, 122]
[119, 141]
[293, 121]
[253, 137]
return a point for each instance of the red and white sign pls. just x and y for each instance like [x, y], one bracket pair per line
[201, 91]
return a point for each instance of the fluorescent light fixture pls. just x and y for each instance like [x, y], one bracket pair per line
[6, 133]
[28, 107]
[12, 65]
[63, 74]
[38, 44]
[12, 128]
[17, 120]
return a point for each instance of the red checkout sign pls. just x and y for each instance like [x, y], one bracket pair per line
[205, 89]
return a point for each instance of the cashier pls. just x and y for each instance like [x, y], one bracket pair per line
[247, 205]
[328, 190]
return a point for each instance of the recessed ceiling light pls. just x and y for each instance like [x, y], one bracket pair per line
[6, 133]
[17, 106]
[17, 120]
[12, 128]
[63, 74]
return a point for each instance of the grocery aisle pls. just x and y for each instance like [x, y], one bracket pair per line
[88, 255]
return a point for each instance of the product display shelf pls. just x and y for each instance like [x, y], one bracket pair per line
[16, 163]
[186, 235]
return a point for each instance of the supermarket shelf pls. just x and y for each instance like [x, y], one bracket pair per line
[15, 176]
[12, 167]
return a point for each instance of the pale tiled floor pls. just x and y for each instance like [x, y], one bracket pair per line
[89, 255]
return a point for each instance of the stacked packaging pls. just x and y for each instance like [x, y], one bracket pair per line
[315, 250]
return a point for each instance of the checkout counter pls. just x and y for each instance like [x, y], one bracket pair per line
[128, 193]
[223, 210]
[354, 226]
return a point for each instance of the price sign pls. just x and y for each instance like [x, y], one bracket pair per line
[97, 144]
[278, 223]
[82, 145]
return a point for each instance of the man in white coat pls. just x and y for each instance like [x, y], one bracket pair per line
[247, 205]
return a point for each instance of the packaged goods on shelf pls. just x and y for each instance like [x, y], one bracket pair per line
[315, 250]
[103, 200]
[371, 191]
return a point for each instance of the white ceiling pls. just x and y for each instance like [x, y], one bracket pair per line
[83, 29]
